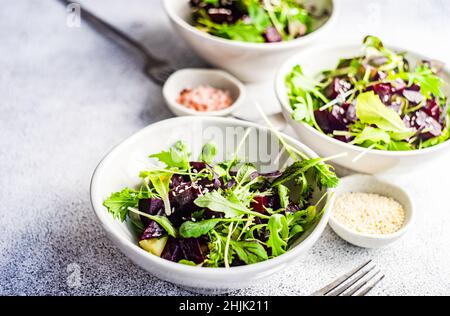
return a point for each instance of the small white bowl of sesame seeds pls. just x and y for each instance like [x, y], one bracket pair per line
[370, 212]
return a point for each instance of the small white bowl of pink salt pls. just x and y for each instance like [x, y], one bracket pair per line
[370, 212]
[208, 92]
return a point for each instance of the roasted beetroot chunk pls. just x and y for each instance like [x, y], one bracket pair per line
[426, 125]
[336, 87]
[329, 121]
[261, 202]
[172, 251]
[153, 230]
[194, 249]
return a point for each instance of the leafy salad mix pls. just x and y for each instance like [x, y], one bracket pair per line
[255, 21]
[222, 214]
[377, 100]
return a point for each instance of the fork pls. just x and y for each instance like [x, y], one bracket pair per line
[156, 69]
[357, 282]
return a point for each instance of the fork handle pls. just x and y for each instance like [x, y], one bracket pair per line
[115, 34]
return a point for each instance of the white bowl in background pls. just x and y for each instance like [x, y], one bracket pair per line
[194, 77]
[315, 60]
[120, 168]
[371, 184]
[250, 62]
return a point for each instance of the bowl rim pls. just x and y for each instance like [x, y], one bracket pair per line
[257, 46]
[281, 97]
[209, 272]
[225, 75]
[385, 237]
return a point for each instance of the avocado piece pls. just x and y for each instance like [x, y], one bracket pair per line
[154, 245]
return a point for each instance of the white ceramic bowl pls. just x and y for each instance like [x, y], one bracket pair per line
[371, 184]
[120, 168]
[315, 60]
[249, 62]
[194, 77]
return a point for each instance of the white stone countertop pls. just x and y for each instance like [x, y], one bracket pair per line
[67, 96]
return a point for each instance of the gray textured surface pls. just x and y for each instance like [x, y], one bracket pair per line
[67, 96]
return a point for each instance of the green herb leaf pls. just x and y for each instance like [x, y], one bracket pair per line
[176, 157]
[371, 110]
[249, 251]
[196, 229]
[161, 220]
[118, 203]
[209, 151]
[279, 233]
[229, 205]
[244, 173]
[160, 182]
[283, 193]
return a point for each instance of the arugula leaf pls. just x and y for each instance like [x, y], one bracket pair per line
[279, 233]
[244, 173]
[160, 182]
[249, 251]
[295, 230]
[176, 157]
[371, 110]
[196, 229]
[161, 220]
[118, 202]
[325, 175]
[230, 206]
[209, 151]
[283, 193]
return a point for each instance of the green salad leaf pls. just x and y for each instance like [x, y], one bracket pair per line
[279, 233]
[371, 110]
[249, 251]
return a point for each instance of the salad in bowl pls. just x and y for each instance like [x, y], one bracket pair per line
[377, 100]
[257, 21]
[255, 221]
[221, 214]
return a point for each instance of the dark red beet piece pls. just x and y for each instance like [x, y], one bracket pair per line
[197, 166]
[422, 121]
[384, 91]
[350, 113]
[172, 251]
[261, 202]
[194, 249]
[271, 35]
[432, 109]
[414, 97]
[336, 87]
[328, 122]
[220, 15]
[151, 206]
[182, 201]
[153, 230]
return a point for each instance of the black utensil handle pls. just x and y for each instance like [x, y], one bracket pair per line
[114, 33]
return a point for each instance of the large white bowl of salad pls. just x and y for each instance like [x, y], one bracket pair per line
[216, 204]
[250, 38]
[386, 108]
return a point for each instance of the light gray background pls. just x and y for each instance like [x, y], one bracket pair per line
[67, 96]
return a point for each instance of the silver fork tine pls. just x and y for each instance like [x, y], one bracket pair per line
[341, 289]
[360, 285]
[339, 281]
[370, 286]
